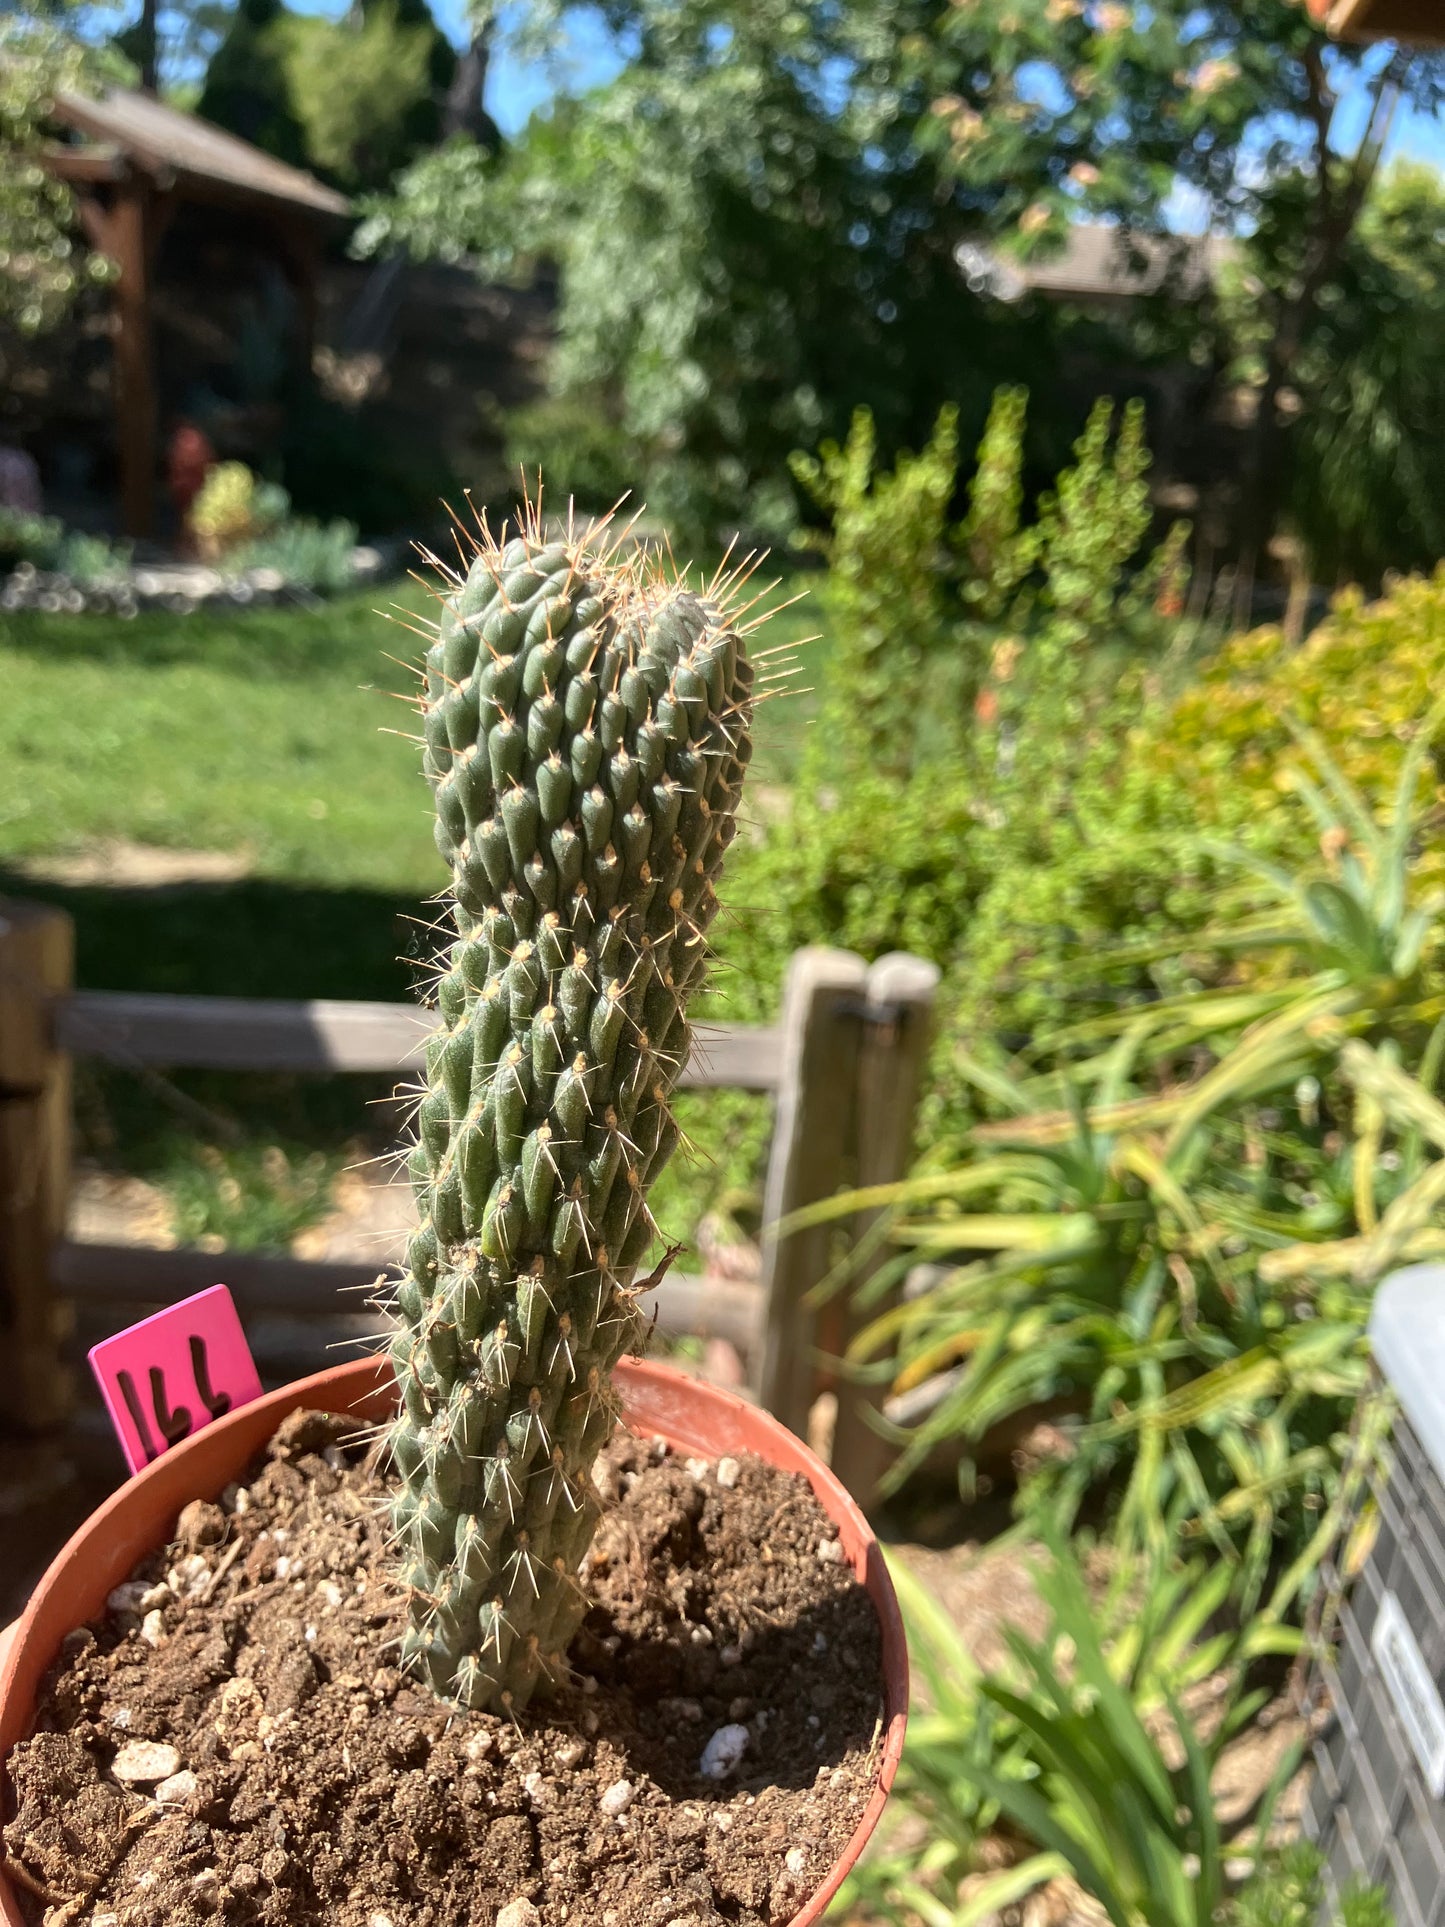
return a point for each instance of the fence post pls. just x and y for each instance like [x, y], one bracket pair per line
[813, 1135]
[37, 966]
[892, 1058]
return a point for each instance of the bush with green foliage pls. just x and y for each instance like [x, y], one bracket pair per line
[45, 543]
[43, 265]
[1085, 1752]
[235, 506]
[1016, 664]
[309, 555]
[245, 523]
[1169, 1228]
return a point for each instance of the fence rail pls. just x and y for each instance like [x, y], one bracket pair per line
[843, 1065]
[261, 1034]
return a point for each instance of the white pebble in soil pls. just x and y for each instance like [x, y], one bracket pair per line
[143, 1762]
[831, 1552]
[698, 1468]
[571, 1753]
[206, 1890]
[723, 1753]
[153, 1628]
[179, 1788]
[189, 1576]
[519, 1913]
[796, 1860]
[728, 1473]
[615, 1800]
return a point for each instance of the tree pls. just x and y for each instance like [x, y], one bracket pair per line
[747, 246]
[361, 89]
[355, 98]
[757, 221]
[170, 43]
[1367, 460]
[1049, 110]
[247, 90]
[42, 264]
[464, 113]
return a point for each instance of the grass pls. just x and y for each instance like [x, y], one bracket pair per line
[261, 732]
[258, 731]
[252, 731]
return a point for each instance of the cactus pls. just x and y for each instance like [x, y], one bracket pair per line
[586, 730]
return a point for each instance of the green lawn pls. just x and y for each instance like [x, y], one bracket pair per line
[264, 733]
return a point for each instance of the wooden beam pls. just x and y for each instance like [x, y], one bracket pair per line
[135, 396]
[37, 948]
[266, 1034]
[241, 1033]
[1414, 23]
[114, 1285]
[85, 164]
[813, 1138]
[893, 1059]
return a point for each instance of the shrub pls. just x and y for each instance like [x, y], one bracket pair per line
[1173, 1222]
[36, 539]
[310, 555]
[234, 507]
[1080, 1758]
[887, 595]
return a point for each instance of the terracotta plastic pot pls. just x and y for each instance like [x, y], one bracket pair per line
[659, 1402]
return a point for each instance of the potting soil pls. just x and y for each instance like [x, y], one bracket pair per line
[234, 1741]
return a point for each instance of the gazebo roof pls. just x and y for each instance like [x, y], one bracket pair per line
[1416, 22]
[125, 131]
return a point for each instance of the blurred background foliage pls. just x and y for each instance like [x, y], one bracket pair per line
[1053, 344]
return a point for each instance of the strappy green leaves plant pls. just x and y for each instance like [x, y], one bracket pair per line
[1165, 1233]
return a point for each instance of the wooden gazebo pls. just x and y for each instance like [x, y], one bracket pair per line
[132, 161]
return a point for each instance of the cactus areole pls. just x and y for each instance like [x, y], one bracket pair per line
[586, 724]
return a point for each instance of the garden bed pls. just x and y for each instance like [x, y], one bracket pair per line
[180, 587]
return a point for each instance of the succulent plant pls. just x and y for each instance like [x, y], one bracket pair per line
[586, 727]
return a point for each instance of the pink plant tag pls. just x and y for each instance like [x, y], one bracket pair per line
[173, 1373]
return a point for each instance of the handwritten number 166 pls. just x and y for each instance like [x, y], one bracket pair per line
[173, 1423]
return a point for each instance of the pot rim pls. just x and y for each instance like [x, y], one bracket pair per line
[660, 1400]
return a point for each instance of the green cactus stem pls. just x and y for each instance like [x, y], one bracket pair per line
[586, 726]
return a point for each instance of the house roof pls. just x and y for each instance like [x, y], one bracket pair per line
[1416, 22]
[1095, 265]
[125, 129]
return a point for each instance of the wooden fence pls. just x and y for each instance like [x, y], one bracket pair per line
[843, 1065]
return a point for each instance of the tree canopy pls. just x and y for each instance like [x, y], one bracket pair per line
[756, 221]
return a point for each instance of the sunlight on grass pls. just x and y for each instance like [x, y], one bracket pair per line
[258, 731]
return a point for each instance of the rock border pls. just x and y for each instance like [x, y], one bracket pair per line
[181, 587]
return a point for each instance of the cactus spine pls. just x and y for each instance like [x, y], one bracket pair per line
[586, 727]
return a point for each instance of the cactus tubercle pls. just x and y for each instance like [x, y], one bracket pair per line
[586, 721]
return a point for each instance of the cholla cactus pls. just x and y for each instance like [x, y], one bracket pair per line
[586, 736]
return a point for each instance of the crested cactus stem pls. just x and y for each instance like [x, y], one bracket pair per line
[586, 720]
